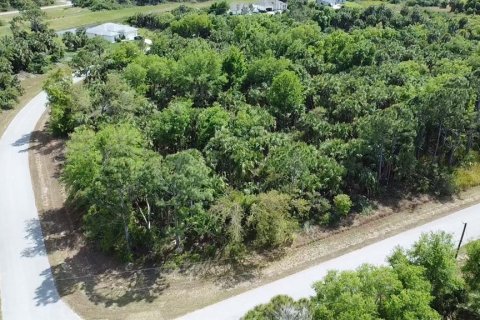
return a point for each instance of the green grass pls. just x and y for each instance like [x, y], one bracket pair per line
[467, 177]
[362, 4]
[66, 18]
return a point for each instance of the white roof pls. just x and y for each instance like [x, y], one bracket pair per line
[110, 29]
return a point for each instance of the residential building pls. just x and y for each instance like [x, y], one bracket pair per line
[113, 32]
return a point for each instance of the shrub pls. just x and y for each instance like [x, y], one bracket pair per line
[342, 204]
[271, 220]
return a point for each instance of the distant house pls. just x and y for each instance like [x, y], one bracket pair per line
[113, 32]
[335, 4]
[263, 6]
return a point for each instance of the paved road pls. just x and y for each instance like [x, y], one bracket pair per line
[27, 288]
[64, 5]
[299, 285]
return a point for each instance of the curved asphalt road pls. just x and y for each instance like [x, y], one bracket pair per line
[26, 285]
[299, 285]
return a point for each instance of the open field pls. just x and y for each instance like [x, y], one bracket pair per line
[32, 84]
[66, 18]
[362, 4]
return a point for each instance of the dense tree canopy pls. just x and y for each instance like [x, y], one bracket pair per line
[307, 113]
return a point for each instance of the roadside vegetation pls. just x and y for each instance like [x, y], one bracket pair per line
[233, 132]
[32, 47]
[6, 5]
[425, 282]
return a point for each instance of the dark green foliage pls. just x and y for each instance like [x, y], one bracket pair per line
[75, 41]
[32, 47]
[220, 7]
[10, 87]
[151, 21]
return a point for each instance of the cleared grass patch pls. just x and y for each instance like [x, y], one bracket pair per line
[467, 177]
[67, 18]
[32, 85]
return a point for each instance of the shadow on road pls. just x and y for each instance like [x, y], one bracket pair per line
[47, 292]
[34, 234]
[24, 140]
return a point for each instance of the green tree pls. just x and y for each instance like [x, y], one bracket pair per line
[298, 167]
[208, 122]
[436, 253]
[199, 76]
[171, 129]
[10, 87]
[102, 171]
[286, 98]
[190, 187]
[193, 25]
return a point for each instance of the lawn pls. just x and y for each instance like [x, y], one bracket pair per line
[66, 18]
[32, 86]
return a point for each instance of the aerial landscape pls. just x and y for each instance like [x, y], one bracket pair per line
[240, 159]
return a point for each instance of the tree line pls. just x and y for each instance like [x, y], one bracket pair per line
[423, 283]
[32, 47]
[232, 132]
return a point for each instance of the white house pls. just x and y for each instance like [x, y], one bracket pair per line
[113, 32]
[263, 6]
[335, 4]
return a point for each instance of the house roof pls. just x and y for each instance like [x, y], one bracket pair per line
[110, 29]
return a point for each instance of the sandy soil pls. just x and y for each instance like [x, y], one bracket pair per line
[98, 287]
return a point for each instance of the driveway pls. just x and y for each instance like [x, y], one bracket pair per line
[299, 285]
[27, 288]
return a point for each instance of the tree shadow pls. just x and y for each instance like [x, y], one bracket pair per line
[106, 284]
[34, 234]
[47, 292]
[103, 279]
[23, 140]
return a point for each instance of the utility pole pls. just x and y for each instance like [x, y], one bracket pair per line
[461, 239]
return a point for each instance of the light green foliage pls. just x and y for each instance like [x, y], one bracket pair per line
[298, 167]
[234, 65]
[199, 76]
[436, 253]
[208, 122]
[136, 75]
[342, 204]
[372, 293]
[471, 268]
[102, 172]
[67, 102]
[281, 308]
[471, 274]
[193, 25]
[286, 98]
[403, 290]
[171, 128]
[271, 221]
